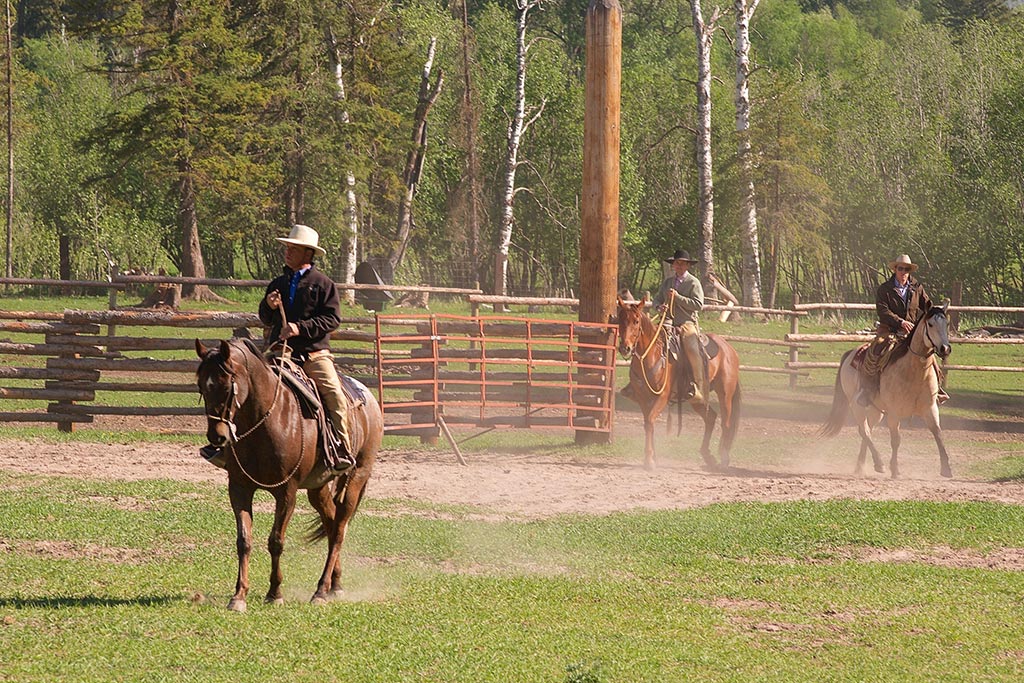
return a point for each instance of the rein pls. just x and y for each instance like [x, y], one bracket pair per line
[659, 331]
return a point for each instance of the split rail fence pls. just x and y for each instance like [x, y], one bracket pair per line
[426, 370]
[429, 371]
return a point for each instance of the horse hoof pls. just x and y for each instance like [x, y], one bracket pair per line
[879, 469]
[946, 472]
[274, 601]
[236, 605]
[318, 600]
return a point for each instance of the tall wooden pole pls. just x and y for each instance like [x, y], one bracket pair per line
[599, 238]
[599, 232]
[10, 146]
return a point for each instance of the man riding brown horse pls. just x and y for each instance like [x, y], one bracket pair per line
[680, 299]
[302, 308]
[900, 302]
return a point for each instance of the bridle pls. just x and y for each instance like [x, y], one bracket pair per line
[227, 416]
[659, 331]
[932, 346]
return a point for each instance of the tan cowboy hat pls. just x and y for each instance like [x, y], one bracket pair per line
[902, 260]
[303, 236]
[681, 255]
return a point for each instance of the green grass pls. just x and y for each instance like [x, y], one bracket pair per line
[128, 581]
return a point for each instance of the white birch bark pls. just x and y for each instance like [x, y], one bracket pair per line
[349, 253]
[704, 33]
[750, 269]
[516, 127]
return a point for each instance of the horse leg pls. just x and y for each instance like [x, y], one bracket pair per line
[725, 403]
[895, 438]
[241, 504]
[865, 425]
[931, 418]
[322, 501]
[649, 440]
[283, 508]
[705, 410]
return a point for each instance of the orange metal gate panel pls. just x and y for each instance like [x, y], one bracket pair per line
[495, 371]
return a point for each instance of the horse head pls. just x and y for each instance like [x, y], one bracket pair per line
[223, 383]
[630, 329]
[935, 330]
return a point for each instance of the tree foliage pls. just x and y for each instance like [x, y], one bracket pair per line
[877, 127]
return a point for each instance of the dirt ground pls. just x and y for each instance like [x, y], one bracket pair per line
[518, 486]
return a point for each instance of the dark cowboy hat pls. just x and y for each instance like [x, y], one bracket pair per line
[681, 255]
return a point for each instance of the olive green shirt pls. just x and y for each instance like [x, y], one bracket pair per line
[688, 301]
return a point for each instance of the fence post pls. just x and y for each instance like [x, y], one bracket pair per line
[794, 328]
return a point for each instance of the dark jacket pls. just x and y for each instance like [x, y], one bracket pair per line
[316, 310]
[892, 309]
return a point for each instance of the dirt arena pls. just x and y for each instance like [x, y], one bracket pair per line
[544, 483]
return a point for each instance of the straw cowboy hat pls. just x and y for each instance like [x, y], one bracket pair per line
[902, 260]
[303, 236]
[681, 255]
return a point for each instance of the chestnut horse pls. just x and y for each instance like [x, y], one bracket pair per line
[653, 376]
[908, 386]
[272, 445]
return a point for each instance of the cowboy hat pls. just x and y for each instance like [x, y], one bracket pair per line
[681, 255]
[902, 260]
[303, 236]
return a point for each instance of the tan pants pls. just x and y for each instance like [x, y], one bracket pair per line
[323, 373]
[691, 347]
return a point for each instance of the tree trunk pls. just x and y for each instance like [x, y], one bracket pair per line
[472, 178]
[515, 133]
[192, 264]
[414, 159]
[750, 269]
[704, 33]
[348, 254]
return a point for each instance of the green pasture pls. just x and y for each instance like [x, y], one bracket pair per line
[112, 581]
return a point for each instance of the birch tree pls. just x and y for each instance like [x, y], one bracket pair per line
[414, 160]
[516, 128]
[750, 269]
[350, 235]
[704, 33]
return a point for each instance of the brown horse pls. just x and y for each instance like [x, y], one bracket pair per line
[653, 375]
[272, 446]
[908, 387]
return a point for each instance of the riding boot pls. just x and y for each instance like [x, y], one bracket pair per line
[691, 344]
[324, 374]
[214, 456]
[942, 396]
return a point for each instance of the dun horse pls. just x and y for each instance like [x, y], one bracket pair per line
[271, 445]
[908, 387]
[653, 375]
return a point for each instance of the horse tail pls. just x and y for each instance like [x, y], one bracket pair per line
[840, 404]
[316, 531]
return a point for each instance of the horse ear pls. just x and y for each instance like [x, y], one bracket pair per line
[225, 349]
[643, 301]
[945, 305]
[201, 350]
